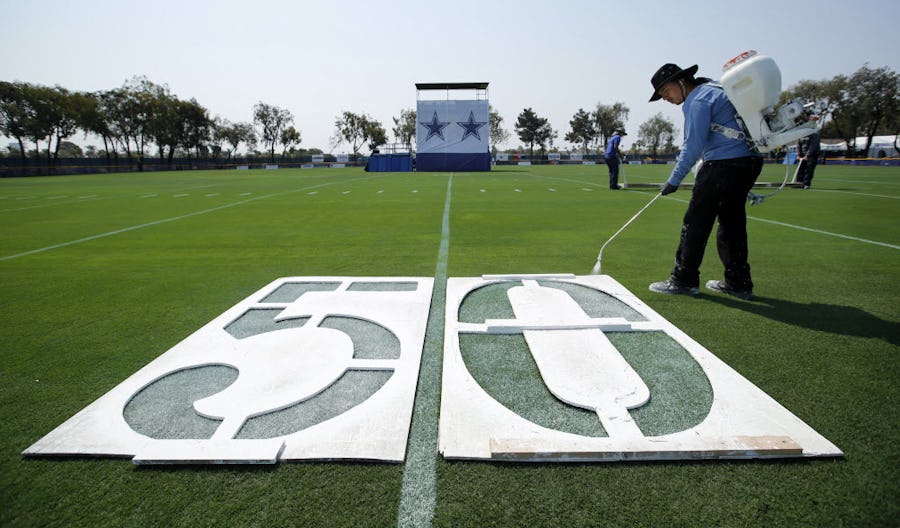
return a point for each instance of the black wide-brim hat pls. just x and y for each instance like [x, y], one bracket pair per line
[669, 72]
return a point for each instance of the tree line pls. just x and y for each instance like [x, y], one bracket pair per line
[133, 119]
[141, 115]
[864, 104]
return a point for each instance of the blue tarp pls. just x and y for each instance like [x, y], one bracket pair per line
[453, 162]
[389, 163]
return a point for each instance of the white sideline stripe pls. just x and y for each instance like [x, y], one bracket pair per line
[826, 178]
[819, 231]
[857, 193]
[783, 224]
[419, 492]
[811, 230]
[54, 204]
[163, 221]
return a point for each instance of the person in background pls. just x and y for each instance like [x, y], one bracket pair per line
[612, 156]
[730, 168]
[808, 150]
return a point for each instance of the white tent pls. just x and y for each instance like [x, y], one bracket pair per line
[882, 146]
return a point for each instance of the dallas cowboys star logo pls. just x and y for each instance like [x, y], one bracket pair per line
[435, 127]
[471, 127]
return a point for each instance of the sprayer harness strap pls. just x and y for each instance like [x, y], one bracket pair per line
[730, 133]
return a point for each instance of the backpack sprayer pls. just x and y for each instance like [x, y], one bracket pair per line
[752, 83]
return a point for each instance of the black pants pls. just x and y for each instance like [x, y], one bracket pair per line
[720, 193]
[613, 164]
[806, 172]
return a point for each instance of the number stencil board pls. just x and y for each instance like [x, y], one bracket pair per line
[306, 368]
[535, 368]
[566, 368]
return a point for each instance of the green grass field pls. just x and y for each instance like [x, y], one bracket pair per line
[101, 274]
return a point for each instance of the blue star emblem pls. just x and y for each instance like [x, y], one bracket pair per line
[471, 127]
[435, 127]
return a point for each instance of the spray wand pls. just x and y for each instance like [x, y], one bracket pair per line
[596, 270]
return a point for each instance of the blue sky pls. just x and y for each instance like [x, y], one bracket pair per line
[318, 59]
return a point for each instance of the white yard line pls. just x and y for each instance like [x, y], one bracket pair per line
[80, 199]
[855, 193]
[164, 221]
[828, 233]
[419, 491]
[809, 229]
[826, 178]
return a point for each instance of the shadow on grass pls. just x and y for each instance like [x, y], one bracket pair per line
[834, 319]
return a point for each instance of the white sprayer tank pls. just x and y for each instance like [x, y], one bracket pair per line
[752, 83]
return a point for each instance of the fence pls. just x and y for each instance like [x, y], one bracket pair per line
[15, 166]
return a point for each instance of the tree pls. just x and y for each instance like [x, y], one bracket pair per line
[97, 118]
[497, 133]
[375, 134]
[405, 128]
[112, 105]
[61, 117]
[844, 122]
[866, 103]
[216, 135]
[14, 113]
[289, 137]
[130, 111]
[238, 133]
[357, 130]
[164, 126]
[545, 137]
[830, 101]
[175, 123]
[533, 129]
[196, 126]
[608, 118]
[657, 133]
[272, 120]
[89, 118]
[825, 96]
[44, 113]
[67, 149]
[583, 130]
[875, 98]
[39, 123]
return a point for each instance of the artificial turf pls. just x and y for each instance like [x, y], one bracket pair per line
[102, 273]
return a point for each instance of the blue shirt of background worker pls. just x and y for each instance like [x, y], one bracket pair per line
[612, 156]
[612, 146]
[705, 105]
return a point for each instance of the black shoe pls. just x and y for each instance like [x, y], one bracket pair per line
[723, 287]
[673, 288]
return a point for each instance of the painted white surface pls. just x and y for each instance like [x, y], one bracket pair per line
[276, 369]
[743, 422]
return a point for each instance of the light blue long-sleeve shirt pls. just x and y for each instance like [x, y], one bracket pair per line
[706, 104]
[612, 146]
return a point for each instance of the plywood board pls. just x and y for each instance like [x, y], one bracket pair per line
[581, 368]
[305, 368]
